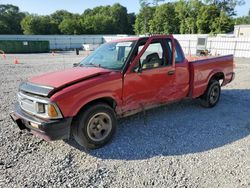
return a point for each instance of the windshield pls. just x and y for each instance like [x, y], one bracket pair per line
[110, 55]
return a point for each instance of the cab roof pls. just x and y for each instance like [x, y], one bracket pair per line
[143, 37]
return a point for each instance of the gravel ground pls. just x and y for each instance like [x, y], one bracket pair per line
[179, 145]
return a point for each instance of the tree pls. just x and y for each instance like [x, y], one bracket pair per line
[187, 13]
[100, 20]
[10, 18]
[183, 16]
[131, 23]
[120, 18]
[208, 14]
[107, 19]
[143, 19]
[58, 17]
[98, 24]
[242, 20]
[227, 6]
[70, 25]
[97, 20]
[222, 24]
[165, 20]
[35, 25]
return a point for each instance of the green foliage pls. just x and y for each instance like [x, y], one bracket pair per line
[186, 16]
[59, 15]
[108, 19]
[143, 19]
[187, 12]
[70, 25]
[182, 16]
[165, 20]
[206, 18]
[131, 22]
[100, 20]
[120, 18]
[35, 25]
[98, 24]
[243, 20]
[222, 24]
[10, 18]
[227, 6]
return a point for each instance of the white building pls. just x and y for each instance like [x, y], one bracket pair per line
[242, 30]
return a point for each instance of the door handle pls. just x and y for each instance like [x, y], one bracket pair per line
[171, 72]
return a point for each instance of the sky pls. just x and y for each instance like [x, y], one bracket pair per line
[45, 7]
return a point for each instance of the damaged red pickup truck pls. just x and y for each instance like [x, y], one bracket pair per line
[120, 78]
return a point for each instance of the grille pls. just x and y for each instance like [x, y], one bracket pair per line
[26, 103]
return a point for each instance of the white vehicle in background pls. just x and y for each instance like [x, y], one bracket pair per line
[90, 47]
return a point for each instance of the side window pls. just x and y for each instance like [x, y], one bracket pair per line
[153, 56]
[179, 58]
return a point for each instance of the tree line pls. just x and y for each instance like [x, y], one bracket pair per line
[155, 16]
[100, 20]
[188, 16]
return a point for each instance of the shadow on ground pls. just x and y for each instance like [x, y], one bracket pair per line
[180, 128]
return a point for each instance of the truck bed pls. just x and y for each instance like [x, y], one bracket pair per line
[203, 68]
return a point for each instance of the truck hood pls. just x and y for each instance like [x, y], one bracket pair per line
[68, 76]
[47, 84]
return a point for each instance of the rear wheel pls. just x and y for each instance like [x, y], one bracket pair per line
[95, 126]
[212, 95]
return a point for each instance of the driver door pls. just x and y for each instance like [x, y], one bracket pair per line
[153, 83]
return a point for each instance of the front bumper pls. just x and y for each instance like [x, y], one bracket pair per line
[46, 129]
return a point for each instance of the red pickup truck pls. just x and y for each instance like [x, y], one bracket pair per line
[120, 78]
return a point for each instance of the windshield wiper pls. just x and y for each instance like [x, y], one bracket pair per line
[92, 64]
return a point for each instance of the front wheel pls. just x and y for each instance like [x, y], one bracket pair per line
[95, 126]
[212, 95]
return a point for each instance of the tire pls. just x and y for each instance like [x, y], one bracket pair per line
[94, 126]
[212, 95]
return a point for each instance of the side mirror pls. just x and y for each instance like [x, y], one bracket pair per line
[76, 64]
[138, 69]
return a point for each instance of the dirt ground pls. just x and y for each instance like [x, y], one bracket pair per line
[178, 145]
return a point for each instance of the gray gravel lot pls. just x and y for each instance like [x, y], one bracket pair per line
[179, 145]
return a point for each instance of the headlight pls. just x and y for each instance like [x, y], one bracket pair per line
[40, 108]
[47, 110]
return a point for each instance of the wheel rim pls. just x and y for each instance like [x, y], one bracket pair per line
[214, 95]
[99, 126]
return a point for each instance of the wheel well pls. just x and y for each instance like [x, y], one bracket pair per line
[218, 76]
[107, 100]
